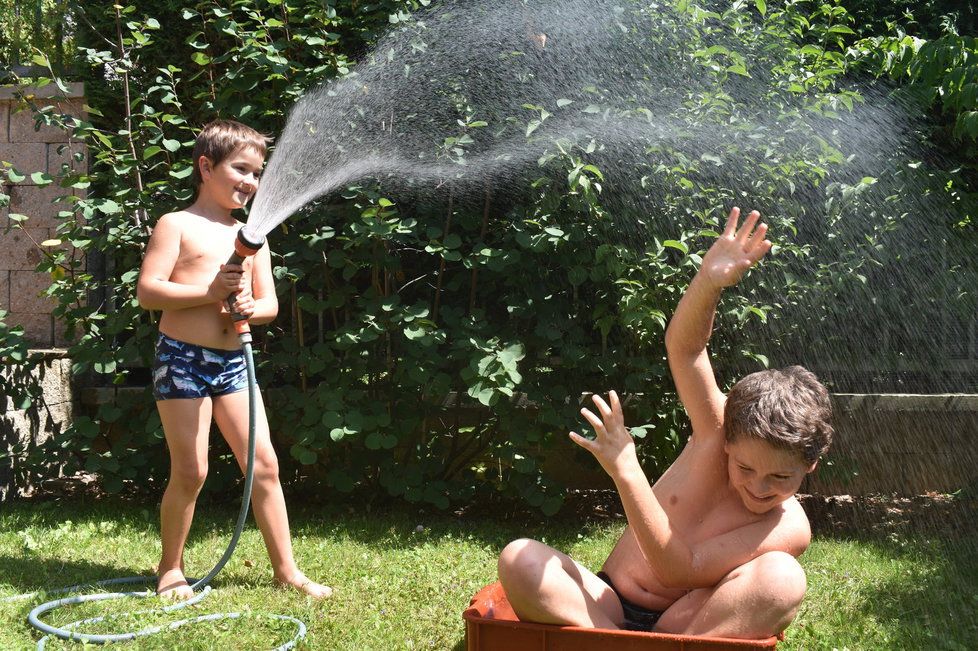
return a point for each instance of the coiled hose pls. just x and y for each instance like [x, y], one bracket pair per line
[243, 248]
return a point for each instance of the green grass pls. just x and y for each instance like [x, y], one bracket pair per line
[397, 588]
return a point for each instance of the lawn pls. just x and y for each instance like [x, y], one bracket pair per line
[402, 576]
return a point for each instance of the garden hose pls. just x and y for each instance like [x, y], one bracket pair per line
[243, 248]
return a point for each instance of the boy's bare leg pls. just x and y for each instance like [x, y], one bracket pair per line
[186, 424]
[756, 601]
[546, 586]
[268, 502]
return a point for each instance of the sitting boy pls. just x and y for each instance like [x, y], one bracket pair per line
[711, 548]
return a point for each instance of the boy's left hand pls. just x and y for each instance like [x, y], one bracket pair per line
[736, 250]
[614, 447]
[244, 303]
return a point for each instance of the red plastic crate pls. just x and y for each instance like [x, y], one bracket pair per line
[491, 625]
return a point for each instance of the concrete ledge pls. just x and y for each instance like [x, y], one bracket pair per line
[896, 402]
[75, 89]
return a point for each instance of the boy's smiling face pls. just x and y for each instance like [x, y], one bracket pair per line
[763, 475]
[233, 181]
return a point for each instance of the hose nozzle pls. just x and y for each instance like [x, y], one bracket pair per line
[243, 248]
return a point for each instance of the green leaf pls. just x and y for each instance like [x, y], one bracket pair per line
[551, 505]
[105, 367]
[182, 172]
[171, 145]
[738, 69]
[676, 244]
[452, 241]
[761, 7]
[577, 275]
[332, 419]
[109, 207]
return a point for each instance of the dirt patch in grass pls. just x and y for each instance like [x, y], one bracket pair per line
[858, 516]
[931, 514]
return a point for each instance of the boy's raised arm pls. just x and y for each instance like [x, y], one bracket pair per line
[734, 252]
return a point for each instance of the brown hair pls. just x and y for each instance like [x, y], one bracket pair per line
[221, 138]
[788, 408]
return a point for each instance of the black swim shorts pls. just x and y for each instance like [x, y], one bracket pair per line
[637, 618]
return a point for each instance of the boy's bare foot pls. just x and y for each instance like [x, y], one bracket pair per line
[173, 585]
[302, 583]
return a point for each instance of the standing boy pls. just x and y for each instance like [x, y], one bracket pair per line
[199, 372]
[710, 549]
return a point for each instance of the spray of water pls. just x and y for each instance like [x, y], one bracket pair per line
[483, 93]
[477, 92]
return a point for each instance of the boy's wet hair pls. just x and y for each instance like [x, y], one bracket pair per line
[221, 138]
[788, 408]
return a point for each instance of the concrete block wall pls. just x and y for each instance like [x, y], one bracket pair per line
[21, 286]
[28, 151]
[23, 429]
[907, 444]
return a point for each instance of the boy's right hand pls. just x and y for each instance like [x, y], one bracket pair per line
[735, 251]
[228, 280]
[613, 446]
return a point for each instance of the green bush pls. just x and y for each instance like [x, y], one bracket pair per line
[438, 346]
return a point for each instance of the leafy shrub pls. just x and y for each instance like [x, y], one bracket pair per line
[438, 346]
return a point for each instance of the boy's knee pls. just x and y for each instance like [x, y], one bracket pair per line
[780, 583]
[189, 478]
[517, 559]
[266, 469]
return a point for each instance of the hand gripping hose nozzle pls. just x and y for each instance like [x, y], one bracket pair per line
[243, 248]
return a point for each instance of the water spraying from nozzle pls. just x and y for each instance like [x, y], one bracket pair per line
[245, 245]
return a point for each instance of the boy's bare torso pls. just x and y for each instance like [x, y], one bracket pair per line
[205, 244]
[696, 494]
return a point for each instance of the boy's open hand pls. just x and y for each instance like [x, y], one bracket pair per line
[614, 447]
[736, 250]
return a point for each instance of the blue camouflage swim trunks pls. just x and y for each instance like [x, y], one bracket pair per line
[183, 370]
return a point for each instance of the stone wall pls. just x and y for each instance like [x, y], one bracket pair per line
[28, 151]
[900, 443]
[907, 444]
[23, 429]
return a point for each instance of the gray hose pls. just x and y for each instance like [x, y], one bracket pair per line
[66, 632]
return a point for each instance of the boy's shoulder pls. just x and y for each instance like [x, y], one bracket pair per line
[175, 220]
[793, 527]
[179, 217]
[190, 223]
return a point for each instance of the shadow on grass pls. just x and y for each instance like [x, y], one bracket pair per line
[384, 526]
[26, 574]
